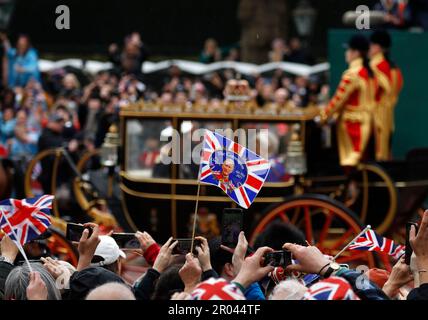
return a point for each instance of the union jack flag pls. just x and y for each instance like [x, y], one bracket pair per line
[217, 289]
[29, 218]
[371, 241]
[239, 172]
[332, 288]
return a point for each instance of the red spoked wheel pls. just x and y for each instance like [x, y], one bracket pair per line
[133, 267]
[326, 223]
[61, 248]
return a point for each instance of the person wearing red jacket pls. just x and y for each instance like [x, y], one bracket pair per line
[352, 105]
[390, 82]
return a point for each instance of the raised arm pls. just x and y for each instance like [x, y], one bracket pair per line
[346, 87]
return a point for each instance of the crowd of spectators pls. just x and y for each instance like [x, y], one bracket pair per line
[281, 51]
[212, 272]
[402, 14]
[66, 107]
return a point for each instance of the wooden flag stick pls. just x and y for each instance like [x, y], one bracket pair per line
[17, 243]
[195, 215]
[352, 241]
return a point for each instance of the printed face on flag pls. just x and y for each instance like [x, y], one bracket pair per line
[239, 172]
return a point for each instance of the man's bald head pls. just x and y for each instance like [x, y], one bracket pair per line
[111, 291]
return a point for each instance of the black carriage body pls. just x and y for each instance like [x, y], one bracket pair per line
[161, 199]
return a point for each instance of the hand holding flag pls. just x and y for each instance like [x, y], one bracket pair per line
[371, 241]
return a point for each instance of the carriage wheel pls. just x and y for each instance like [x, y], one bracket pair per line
[61, 248]
[326, 223]
[97, 208]
[379, 198]
[32, 186]
[131, 266]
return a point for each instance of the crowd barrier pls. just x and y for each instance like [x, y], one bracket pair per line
[196, 68]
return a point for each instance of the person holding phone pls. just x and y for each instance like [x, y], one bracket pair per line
[108, 255]
[145, 287]
[310, 260]
[419, 243]
[399, 277]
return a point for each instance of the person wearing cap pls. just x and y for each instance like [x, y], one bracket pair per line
[352, 105]
[390, 82]
[108, 255]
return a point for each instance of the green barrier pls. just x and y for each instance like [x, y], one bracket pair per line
[410, 53]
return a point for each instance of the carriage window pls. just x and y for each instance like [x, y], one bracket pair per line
[188, 169]
[147, 143]
[270, 140]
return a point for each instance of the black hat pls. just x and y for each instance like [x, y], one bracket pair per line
[358, 42]
[219, 257]
[382, 38]
[82, 282]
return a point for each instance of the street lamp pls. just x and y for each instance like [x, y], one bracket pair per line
[6, 8]
[304, 18]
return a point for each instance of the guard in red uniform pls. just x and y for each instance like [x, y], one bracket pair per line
[390, 82]
[353, 105]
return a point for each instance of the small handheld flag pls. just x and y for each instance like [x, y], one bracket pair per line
[333, 288]
[24, 220]
[371, 241]
[239, 172]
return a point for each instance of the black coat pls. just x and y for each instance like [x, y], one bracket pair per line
[420, 293]
[5, 269]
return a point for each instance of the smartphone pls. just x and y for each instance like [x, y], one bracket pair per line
[278, 259]
[409, 250]
[126, 240]
[232, 225]
[74, 232]
[184, 245]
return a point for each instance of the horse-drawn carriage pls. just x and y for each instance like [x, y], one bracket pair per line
[316, 200]
[144, 193]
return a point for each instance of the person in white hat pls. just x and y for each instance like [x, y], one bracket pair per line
[108, 255]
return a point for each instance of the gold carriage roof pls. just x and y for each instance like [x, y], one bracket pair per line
[238, 110]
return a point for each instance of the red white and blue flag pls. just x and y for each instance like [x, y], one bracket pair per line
[371, 241]
[29, 218]
[239, 172]
[217, 289]
[332, 288]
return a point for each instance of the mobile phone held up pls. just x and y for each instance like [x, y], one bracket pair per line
[126, 240]
[232, 224]
[184, 245]
[409, 250]
[74, 232]
[280, 258]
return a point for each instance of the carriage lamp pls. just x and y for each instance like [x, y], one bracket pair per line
[109, 149]
[304, 18]
[296, 157]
